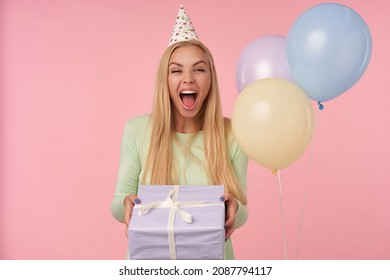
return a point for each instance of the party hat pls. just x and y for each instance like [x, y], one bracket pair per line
[183, 29]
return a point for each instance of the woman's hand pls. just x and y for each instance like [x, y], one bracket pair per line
[231, 210]
[129, 202]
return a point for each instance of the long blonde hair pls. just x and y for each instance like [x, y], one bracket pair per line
[160, 162]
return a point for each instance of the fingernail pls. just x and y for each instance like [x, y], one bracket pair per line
[222, 198]
[137, 201]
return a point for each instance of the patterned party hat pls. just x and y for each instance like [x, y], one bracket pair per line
[183, 29]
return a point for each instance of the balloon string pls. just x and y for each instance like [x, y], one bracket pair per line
[282, 215]
[306, 186]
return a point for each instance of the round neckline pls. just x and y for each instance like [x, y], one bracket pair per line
[180, 134]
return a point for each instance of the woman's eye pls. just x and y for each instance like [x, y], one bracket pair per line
[175, 71]
[199, 70]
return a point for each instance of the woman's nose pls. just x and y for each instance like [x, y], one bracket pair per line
[188, 77]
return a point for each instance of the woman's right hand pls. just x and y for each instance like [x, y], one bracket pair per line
[129, 202]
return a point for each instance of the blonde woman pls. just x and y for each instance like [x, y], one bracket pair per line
[185, 140]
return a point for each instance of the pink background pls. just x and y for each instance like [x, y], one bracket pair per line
[73, 72]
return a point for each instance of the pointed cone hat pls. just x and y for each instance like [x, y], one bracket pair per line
[183, 29]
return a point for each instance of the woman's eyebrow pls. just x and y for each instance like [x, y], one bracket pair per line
[175, 63]
[178, 64]
[199, 62]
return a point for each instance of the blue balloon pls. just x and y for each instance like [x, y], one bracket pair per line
[328, 50]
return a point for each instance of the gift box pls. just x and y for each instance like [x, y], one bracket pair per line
[177, 222]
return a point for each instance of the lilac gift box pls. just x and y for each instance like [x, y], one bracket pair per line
[177, 222]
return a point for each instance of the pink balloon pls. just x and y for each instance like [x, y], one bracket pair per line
[265, 57]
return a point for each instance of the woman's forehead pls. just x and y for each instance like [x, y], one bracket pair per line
[188, 54]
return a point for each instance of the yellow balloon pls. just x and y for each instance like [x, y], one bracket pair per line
[273, 122]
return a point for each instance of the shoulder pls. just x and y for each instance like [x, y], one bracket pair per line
[136, 128]
[139, 120]
[138, 123]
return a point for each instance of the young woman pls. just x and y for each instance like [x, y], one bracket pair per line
[185, 140]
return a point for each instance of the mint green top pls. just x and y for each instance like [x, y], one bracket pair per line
[134, 150]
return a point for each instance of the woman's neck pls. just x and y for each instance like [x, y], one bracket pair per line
[184, 125]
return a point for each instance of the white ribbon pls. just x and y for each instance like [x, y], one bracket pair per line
[175, 207]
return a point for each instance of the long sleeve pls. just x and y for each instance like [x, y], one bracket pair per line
[240, 166]
[129, 170]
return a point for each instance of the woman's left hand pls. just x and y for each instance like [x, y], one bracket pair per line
[231, 210]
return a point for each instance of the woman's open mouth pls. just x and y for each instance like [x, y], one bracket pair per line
[188, 98]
